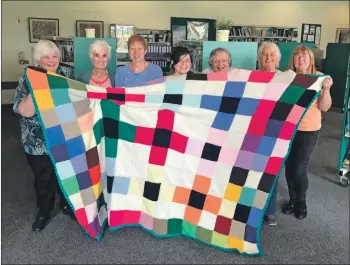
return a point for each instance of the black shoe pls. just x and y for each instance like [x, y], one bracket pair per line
[68, 211]
[40, 222]
[288, 208]
[270, 220]
[301, 210]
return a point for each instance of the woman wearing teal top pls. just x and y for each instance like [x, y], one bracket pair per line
[100, 54]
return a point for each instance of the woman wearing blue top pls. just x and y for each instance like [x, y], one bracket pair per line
[138, 72]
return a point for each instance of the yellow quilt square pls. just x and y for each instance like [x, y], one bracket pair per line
[89, 140]
[43, 99]
[155, 173]
[97, 189]
[233, 192]
[166, 193]
[149, 207]
[235, 243]
[136, 187]
[227, 208]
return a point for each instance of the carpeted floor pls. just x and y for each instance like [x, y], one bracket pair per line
[321, 238]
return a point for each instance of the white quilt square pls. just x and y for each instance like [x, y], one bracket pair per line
[253, 179]
[145, 117]
[254, 90]
[91, 212]
[77, 201]
[207, 220]
[215, 88]
[123, 167]
[281, 148]
[177, 210]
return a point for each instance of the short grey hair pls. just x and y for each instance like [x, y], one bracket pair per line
[272, 45]
[99, 45]
[44, 48]
[215, 51]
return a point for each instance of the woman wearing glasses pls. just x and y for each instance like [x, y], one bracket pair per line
[303, 62]
[220, 60]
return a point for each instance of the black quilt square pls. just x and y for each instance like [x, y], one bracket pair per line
[266, 182]
[110, 180]
[162, 138]
[229, 105]
[242, 213]
[120, 97]
[111, 128]
[238, 176]
[151, 190]
[197, 199]
[281, 111]
[306, 98]
[173, 99]
[193, 76]
[211, 152]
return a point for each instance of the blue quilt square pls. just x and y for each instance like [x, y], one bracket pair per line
[191, 100]
[75, 146]
[158, 99]
[55, 136]
[65, 113]
[79, 163]
[254, 217]
[174, 86]
[266, 145]
[65, 170]
[60, 96]
[247, 106]
[84, 180]
[273, 128]
[121, 185]
[110, 165]
[234, 89]
[223, 121]
[211, 102]
[60, 153]
[250, 234]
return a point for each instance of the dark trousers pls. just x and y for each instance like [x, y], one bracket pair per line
[45, 183]
[297, 163]
[271, 207]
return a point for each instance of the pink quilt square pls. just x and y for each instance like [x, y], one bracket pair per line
[287, 131]
[134, 98]
[295, 114]
[178, 142]
[131, 217]
[238, 75]
[146, 221]
[158, 155]
[221, 76]
[165, 119]
[257, 125]
[116, 218]
[261, 77]
[274, 165]
[144, 135]
[195, 147]
[217, 136]
[274, 91]
[80, 214]
[206, 168]
[228, 156]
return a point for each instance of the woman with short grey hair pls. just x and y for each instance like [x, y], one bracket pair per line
[269, 57]
[46, 55]
[220, 60]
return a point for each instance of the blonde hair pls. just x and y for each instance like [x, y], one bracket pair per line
[272, 45]
[137, 38]
[44, 48]
[99, 45]
[303, 49]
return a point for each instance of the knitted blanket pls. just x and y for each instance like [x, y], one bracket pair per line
[196, 157]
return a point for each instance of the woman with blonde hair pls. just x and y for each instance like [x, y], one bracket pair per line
[46, 55]
[303, 62]
[100, 54]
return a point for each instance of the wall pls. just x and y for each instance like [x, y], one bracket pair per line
[156, 15]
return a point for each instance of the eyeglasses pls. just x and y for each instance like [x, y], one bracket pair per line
[220, 61]
[301, 57]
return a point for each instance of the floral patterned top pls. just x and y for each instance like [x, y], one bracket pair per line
[32, 136]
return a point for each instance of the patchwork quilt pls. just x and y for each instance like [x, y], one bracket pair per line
[195, 156]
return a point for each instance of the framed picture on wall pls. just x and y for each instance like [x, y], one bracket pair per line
[311, 33]
[42, 27]
[81, 25]
[342, 35]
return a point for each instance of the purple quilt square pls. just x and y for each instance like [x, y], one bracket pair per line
[251, 143]
[95, 226]
[84, 180]
[79, 164]
[60, 153]
[273, 128]
[244, 159]
[259, 162]
[250, 234]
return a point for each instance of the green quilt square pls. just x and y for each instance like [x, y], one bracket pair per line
[292, 94]
[204, 234]
[174, 226]
[98, 131]
[189, 229]
[60, 96]
[57, 82]
[70, 185]
[77, 85]
[110, 110]
[111, 147]
[126, 131]
[247, 196]
[219, 240]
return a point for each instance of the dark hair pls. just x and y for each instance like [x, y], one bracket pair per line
[176, 54]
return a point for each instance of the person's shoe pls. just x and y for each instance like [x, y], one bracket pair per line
[40, 222]
[288, 208]
[301, 210]
[68, 211]
[270, 220]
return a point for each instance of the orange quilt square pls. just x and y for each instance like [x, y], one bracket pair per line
[40, 80]
[192, 215]
[212, 204]
[201, 184]
[181, 195]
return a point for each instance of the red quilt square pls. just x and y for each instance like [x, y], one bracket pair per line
[165, 119]
[223, 225]
[95, 174]
[158, 155]
[257, 125]
[261, 77]
[80, 214]
[274, 165]
[134, 98]
[90, 231]
[178, 142]
[96, 95]
[265, 108]
[131, 217]
[287, 131]
[116, 218]
[115, 90]
[144, 135]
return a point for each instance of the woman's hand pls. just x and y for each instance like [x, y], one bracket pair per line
[26, 107]
[328, 82]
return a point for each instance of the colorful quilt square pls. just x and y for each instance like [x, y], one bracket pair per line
[247, 196]
[292, 94]
[55, 136]
[75, 146]
[266, 145]
[247, 106]
[234, 89]
[251, 143]
[255, 217]
[211, 102]
[79, 163]
[192, 101]
[273, 128]
[121, 185]
[223, 121]
[65, 113]
[60, 96]
[60, 153]
[84, 180]
[43, 99]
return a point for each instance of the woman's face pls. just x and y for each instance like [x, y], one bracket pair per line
[221, 62]
[184, 65]
[100, 59]
[137, 52]
[302, 61]
[268, 59]
[50, 62]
